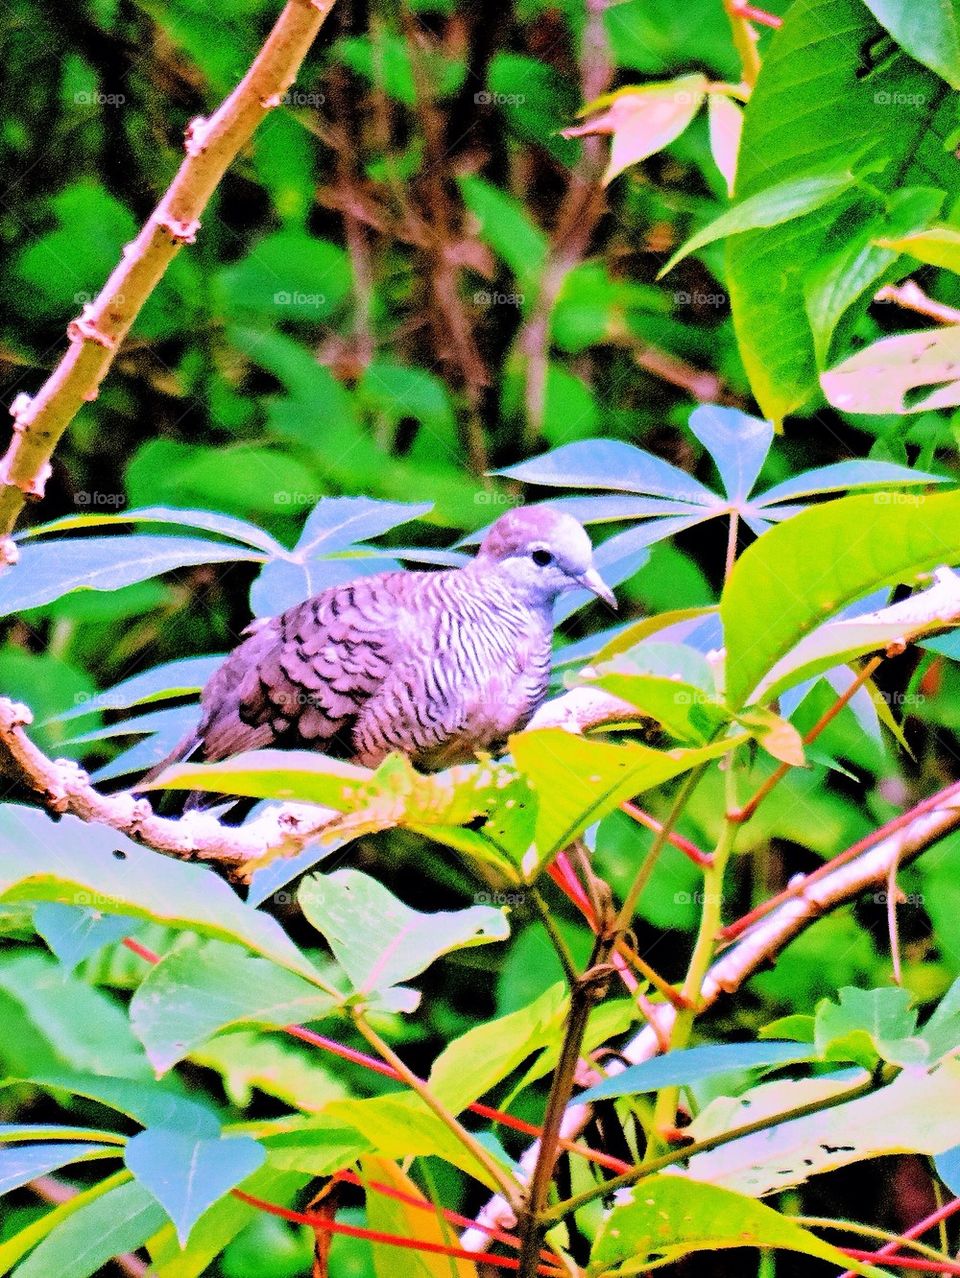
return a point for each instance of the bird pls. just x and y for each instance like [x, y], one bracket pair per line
[436, 665]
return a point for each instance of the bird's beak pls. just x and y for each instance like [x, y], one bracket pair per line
[593, 581]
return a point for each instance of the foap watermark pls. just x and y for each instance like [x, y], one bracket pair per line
[485, 297]
[93, 97]
[898, 898]
[488, 98]
[899, 499]
[83, 298]
[696, 298]
[287, 497]
[487, 497]
[885, 98]
[283, 298]
[499, 898]
[697, 898]
[302, 98]
[99, 500]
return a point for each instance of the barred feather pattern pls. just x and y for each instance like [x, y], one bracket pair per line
[437, 665]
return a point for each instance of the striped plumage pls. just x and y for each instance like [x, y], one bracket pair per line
[437, 665]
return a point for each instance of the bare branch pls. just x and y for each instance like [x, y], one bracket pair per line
[95, 335]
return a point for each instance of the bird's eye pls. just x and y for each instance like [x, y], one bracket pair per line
[541, 558]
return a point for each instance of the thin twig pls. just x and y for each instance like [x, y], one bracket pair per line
[911, 297]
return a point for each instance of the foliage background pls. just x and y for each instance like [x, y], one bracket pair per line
[370, 309]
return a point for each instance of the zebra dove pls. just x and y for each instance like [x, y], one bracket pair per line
[436, 665]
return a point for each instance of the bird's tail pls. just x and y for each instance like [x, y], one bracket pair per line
[182, 751]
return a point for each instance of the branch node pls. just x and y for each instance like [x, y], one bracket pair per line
[32, 486]
[182, 231]
[271, 100]
[84, 329]
[19, 410]
[195, 136]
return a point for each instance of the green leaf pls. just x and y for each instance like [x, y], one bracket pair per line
[778, 591]
[505, 225]
[737, 443]
[610, 463]
[75, 932]
[671, 683]
[887, 376]
[824, 95]
[929, 32]
[120, 1220]
[868, 1025]
[333, 528]
[378, 940]
[771, 207]
[398, 1126]
[916, 1113]
[172, 679]
[666, 1217]
[579, 781]
[694, 1064]
[475, 1062]
[186, 1175]
[204, 520]
[88, 865]
[85, 1028]
[938, 246]
[48, 569]
[534, 100]
[843, 477]
[146, 1101]
[288, 276]
[197, 990]
[22, 1163]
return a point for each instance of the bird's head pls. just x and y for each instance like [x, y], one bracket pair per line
[543, 552]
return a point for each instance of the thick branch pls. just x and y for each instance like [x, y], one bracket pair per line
[96, 334]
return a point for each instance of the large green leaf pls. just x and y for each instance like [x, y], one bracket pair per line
[118, 1221]
[377, 939]
[186, 1175]
[21, 1163]
[770, 207]
[696, 1063]
[811, 566]
[86, 865]
[48, 569]
[929, 32]
[667, 1217]
[826, 93]
[196, 990]
[579, 781]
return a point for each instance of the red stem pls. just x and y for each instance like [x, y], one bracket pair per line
[380, 1067]
[325, 1224]
[904, 1262]
[423, 1204]
[921, 1227]
[696, 855]
[742, 10]
[941, 798]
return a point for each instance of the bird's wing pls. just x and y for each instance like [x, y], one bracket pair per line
[302, 678]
